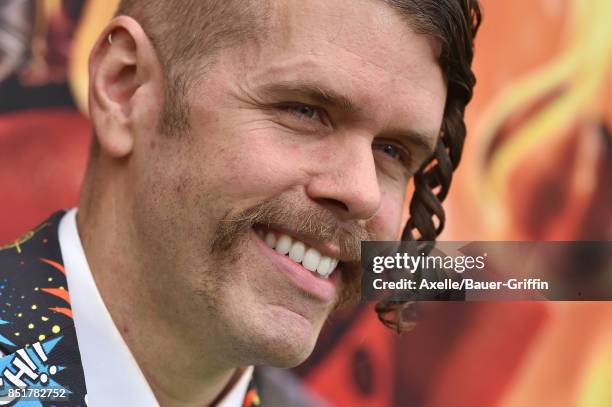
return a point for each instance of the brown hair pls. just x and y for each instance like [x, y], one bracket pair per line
[207, 26]
[453, 23]
[184, 33]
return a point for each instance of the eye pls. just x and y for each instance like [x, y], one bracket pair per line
[306, 110]
[304, 117]
[395, 160]
[393, 151]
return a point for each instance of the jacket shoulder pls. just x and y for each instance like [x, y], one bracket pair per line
[34, 301]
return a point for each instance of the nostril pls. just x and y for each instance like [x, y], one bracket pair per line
[333, 204]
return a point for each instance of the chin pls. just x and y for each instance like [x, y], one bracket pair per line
[284, 341]
[285, 353]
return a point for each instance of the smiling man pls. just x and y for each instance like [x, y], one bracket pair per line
[241, 153]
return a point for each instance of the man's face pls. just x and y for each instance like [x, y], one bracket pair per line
[307, 139]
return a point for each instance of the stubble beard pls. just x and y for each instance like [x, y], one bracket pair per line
[231, 232]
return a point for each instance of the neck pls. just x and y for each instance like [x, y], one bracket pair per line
[181, 370]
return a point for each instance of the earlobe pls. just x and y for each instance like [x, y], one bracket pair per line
[117, 70]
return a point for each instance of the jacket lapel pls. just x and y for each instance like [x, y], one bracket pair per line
[37, 333]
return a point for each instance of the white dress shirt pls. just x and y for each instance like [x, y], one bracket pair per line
[112, 376]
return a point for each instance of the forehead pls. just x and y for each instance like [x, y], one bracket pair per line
[372, 29]
[363, 49]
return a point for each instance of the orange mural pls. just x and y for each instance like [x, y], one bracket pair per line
[536, 166]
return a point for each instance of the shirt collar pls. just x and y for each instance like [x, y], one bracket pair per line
[112, 375]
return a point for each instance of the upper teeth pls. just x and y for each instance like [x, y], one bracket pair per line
[310, 258]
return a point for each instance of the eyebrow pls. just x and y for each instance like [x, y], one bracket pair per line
[314, 92]
[421, 140]
[330, 98]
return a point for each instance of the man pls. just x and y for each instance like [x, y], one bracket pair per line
[242, 151]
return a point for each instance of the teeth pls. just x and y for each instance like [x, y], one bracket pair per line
[310, 258]
[323, 267]
[284, 244]
[297, 252]
[334, 263]
[270, 240]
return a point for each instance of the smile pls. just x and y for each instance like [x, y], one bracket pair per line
[311, 270]
[309, 257]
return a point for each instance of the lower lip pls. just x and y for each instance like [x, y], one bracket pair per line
[323, 289]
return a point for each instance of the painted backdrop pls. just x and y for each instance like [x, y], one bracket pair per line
[537, 166]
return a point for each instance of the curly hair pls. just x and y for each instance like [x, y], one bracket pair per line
[453, 23]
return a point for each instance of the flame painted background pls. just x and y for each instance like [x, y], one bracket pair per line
[537, 166]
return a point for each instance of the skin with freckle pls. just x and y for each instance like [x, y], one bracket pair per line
[254, 152]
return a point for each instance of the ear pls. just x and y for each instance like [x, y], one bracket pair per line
[122, 63]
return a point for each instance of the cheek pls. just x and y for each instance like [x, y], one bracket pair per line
[386, 224]
[258, 165]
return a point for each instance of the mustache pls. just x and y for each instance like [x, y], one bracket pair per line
[315, 223]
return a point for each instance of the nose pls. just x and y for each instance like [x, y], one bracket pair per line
[348, 183]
